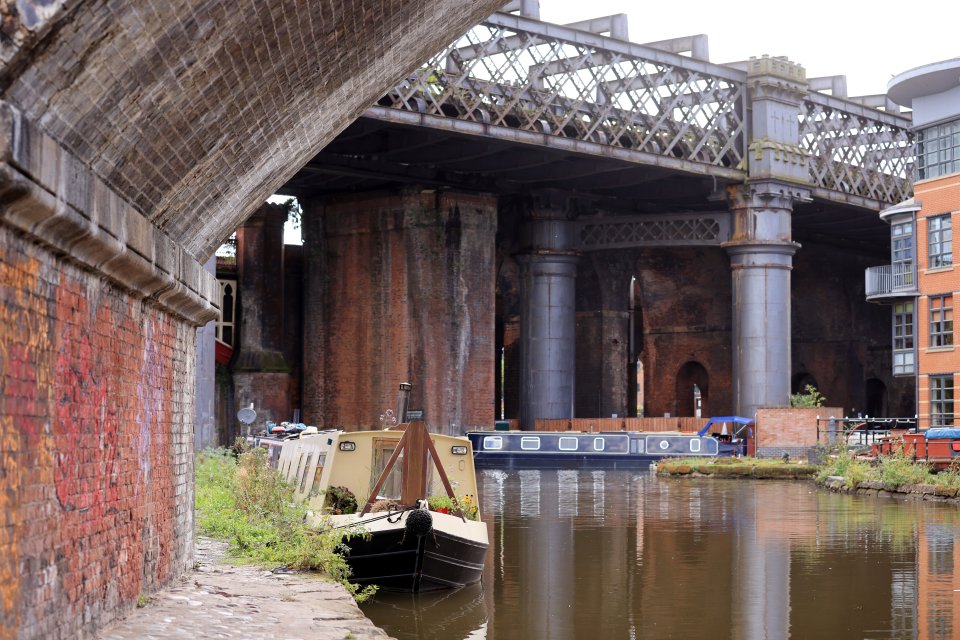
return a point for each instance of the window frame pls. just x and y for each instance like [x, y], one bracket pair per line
[530, 443]
[902, 254]
[492, 443]
[940, 314]
[941, 390]
[939, 250]
[938, 150]
[904, 337]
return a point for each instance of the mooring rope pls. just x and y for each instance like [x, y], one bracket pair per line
[389, 514]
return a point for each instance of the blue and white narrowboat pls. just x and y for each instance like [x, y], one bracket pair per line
[605, 448]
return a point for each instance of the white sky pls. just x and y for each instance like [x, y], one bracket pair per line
[869, 42]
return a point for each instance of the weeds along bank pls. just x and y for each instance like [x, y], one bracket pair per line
[891, 475]
[895, 474]
[241, 500]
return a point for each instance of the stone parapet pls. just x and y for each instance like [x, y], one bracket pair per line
[55, 200]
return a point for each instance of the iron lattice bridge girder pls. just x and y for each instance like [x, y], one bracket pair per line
[856, 151]
[537, 83]
[662, 230]
[547, 80]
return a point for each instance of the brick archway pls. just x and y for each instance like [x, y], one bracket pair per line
[194, 112]
[134, 137]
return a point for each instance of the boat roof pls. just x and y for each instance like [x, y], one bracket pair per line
[720, 419]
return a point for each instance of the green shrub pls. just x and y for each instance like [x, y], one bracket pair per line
[897, 470]
[811, 398]
[244, 501]
[852, 471]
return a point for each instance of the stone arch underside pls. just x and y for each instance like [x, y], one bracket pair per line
[193, 112]
[134, 136]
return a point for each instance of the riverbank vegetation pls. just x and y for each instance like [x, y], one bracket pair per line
[893, 471]
[890, 473]
[242, 500]
[758, 468]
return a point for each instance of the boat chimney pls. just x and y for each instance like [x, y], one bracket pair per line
[403, 400]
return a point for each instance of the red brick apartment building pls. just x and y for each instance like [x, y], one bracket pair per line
[922, 282]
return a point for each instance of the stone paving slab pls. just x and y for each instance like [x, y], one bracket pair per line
[223, 601]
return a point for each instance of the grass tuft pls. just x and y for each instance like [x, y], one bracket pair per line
[245, 502]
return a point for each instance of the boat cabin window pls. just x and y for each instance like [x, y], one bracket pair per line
[568, 444]
[530, 443]
[598, 444]
[382, 450]
[695, 445]
[493, 442]
[315, 487]
[305, 472]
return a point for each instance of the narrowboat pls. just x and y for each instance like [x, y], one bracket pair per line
[612, 449]
[411, 494]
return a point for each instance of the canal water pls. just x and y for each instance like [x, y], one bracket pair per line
[599, 555]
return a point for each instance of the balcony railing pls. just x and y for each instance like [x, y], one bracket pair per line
[896, 279]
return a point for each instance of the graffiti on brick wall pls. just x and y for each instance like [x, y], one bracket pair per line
[91, 477]
[24, 381]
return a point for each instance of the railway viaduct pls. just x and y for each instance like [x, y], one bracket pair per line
[585, 208]
[135, 136]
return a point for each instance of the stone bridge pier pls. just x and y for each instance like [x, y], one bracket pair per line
[400, 287]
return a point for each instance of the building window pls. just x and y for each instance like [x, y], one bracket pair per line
[941, 321]
[902, 255]
[228, 311]
[941, 401]
[940, 241]
[903, 338]
[938, 150]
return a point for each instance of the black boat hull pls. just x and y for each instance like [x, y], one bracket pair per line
[395, 561]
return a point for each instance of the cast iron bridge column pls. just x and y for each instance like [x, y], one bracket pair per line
[547, 315]
[761, 247]
[761, 258]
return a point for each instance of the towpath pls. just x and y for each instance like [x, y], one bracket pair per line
[223, 601]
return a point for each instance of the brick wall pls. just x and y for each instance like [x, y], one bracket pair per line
[787, 430]
[939, 196]
[407, 285]
[96, 439]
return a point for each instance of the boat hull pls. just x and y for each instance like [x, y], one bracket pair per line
[451, 555]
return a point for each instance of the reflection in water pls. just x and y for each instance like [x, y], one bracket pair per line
[446, 615]
[624, 554]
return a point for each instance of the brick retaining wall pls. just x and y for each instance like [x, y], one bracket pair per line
[96, 437]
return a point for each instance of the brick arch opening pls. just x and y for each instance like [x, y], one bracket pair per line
[690, 376]
[876, 396]
[799, 382]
